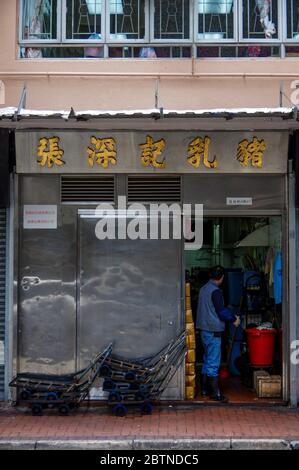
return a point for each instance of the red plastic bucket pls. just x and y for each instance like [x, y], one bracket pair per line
[261, 346]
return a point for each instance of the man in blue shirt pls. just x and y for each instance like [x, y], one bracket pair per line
[210, 320]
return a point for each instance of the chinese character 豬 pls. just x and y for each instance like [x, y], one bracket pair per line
[151, 151]
[50, 152]
[251, 151]
[199, 148]
[103, 153]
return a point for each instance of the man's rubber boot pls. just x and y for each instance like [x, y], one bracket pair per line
[216, 395]
[204, 385]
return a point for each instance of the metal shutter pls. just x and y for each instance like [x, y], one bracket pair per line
[2, 293]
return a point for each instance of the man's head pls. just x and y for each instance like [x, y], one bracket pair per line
[217, 274]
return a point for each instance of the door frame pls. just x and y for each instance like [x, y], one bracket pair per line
[288, 252]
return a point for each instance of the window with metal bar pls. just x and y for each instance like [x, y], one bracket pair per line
[260, 19]
[293, 19]
[150, 29]
[83, 19]
[171, 19]
[39, 20]
[215, 20]
[127, 20]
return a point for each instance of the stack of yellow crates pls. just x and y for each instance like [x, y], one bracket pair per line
[191, 356]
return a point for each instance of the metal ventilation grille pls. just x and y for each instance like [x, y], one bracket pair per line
[87, 189]
[154, 188]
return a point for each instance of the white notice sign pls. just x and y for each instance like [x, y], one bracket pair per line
[40, 216]
[239, 201]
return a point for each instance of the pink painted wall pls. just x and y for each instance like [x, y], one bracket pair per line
[84, 84]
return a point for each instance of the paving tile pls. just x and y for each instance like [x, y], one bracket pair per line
[198, 422]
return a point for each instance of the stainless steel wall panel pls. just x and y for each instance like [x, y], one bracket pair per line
[3, 295]
[130, 293]
[47, 286]
[267, 192]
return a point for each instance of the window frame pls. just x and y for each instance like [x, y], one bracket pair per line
[152, 38]
[285, 38]
[32, 42]
[149, 39]
[83, 42]
[279, 39]
[128, 41]
[219, 41]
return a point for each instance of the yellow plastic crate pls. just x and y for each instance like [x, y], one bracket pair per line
[190, 368]
[190, 380]
[191, 341]
[188, 289]
[190, 393]
[188, 303]
[190, 355]
[189, 316]
[190, 328]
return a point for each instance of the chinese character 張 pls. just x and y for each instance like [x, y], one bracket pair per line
[50, 152]
[251, 151]
[151, 151]
[104, 152]
[199, 149]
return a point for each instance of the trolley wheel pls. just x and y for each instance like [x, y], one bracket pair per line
[130, 376]
[25, 394]
[134, 386]
[37, 410]
[64, 409]
[120, 410]
[109, 385]
[139, 396]
[146, 408]
[52, 396]
[114, 396]
[105, 371]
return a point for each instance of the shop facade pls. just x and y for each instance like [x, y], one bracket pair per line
[73, 293]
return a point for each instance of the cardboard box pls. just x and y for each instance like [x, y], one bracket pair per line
[256, 375]
[269, 387]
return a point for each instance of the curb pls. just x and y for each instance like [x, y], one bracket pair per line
[260, 444]
[150, 444]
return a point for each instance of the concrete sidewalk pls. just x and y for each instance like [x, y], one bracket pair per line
[177, 428]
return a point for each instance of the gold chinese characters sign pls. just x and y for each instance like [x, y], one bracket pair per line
[251, 152]
[103, 152]
[151, 152]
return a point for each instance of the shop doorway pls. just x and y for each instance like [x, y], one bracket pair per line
[250, 250]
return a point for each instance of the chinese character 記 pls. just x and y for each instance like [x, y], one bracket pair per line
[50, 152]
[199, 149]
[103, 153]
[251, 151]
[151, 151]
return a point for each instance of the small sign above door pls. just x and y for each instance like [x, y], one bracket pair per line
[239, 201]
